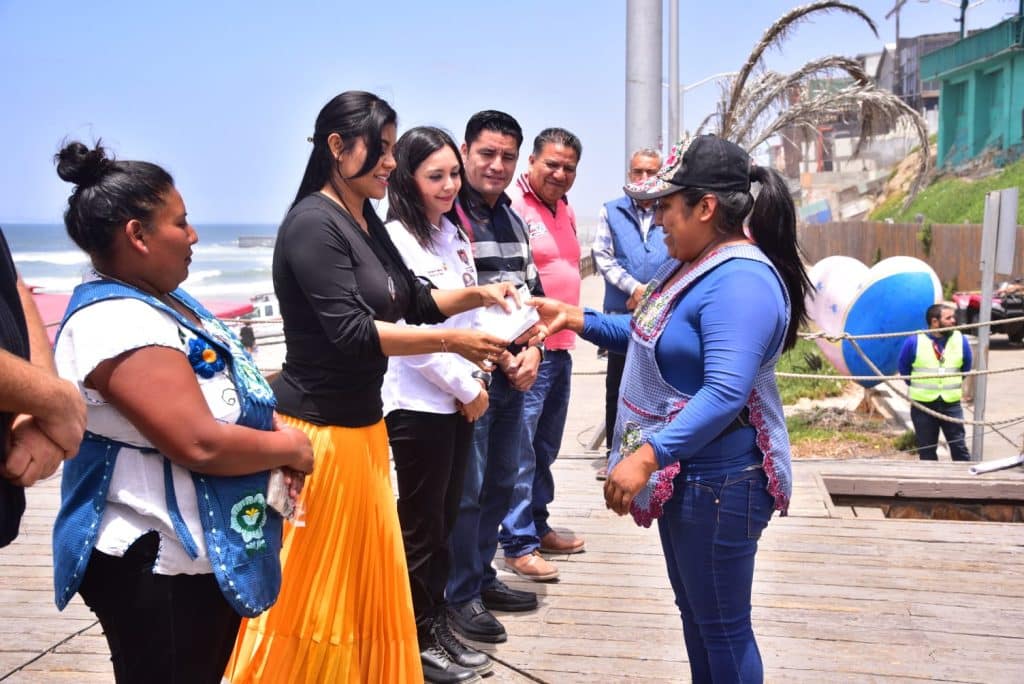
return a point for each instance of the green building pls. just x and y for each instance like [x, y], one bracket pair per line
[981, 104]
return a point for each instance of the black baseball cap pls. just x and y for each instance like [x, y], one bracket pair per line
[706, 161]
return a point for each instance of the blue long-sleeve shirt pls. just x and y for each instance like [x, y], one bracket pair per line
[721, 331]
[909, 352]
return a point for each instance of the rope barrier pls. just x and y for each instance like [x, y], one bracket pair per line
[821, 334]
[825, 376]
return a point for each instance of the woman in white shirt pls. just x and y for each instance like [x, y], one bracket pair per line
[431, 400]
[166, 526]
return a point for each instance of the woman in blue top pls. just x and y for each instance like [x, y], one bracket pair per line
[700, 441]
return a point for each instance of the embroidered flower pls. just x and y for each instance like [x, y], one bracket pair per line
[248, 516]
[204, 359]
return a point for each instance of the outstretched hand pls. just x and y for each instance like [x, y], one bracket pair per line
[554, 317]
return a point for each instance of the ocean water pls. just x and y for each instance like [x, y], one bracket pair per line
[49, 260]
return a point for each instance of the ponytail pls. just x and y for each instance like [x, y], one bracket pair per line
[773, 227]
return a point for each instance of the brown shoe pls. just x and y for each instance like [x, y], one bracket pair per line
[532, 566]
[552, 542]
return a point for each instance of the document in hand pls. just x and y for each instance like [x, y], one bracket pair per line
[507, 325]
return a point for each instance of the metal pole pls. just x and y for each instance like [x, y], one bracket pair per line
[675, 108]
[643, 75]
[990, 229]
[897, 71]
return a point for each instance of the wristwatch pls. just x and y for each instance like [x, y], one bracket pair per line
[484, 377]
[540, 348]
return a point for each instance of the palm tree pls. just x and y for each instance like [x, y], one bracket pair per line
[761, 103]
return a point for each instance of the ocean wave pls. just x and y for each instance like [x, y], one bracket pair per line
[62, 258]
[233, 252]
[197, 276]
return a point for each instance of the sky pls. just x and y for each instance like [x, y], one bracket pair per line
[224, 93]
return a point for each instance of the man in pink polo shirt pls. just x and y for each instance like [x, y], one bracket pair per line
[539, 197]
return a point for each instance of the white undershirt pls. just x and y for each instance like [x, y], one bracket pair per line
[136, 500]
[432, 382]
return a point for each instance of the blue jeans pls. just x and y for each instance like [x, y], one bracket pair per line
[926, 430]
[544, 410]
[709, 534]
[486, 491]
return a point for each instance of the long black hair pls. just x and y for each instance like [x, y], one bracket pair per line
[773, 227]
[107, 194]
[405, 204]
[353, 115]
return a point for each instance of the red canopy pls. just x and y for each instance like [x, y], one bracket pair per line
[52, 306]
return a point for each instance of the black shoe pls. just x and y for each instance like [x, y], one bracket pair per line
[474, 621]
[439, 668]
[462, 654]
[500, 596]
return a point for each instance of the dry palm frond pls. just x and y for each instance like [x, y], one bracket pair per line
[876, 109]
[705, 122]
[775, 34]
[772, 90]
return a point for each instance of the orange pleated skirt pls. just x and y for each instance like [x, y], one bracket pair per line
[345, 609]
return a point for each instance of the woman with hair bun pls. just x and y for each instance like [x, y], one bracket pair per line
[700, 441]
[345, 611]
[165, 526]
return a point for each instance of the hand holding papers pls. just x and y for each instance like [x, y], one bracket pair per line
[507, 325]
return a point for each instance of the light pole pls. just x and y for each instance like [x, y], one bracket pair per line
[680, 123]
[643, 75]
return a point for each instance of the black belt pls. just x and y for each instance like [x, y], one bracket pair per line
[740, 421]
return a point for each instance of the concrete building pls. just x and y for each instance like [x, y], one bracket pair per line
[982, 92]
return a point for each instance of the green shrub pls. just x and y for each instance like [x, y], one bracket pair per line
[954, 200]
[806, 358]
[905, 441]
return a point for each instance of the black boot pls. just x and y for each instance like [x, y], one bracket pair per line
[464, 655]
[438, 666]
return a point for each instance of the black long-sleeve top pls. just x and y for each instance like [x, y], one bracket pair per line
[332, 281]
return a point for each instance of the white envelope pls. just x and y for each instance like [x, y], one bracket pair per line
[507, 325]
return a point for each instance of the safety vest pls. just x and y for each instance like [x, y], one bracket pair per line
[946, 388]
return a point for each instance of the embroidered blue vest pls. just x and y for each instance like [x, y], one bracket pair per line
[647, 402]
[242, 533]
[641, 258]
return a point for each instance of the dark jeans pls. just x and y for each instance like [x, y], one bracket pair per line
[430, 451]
[545, 406]
[926, 430]
[486, 492]
[709, 534]
[616, 363]
[160, 628]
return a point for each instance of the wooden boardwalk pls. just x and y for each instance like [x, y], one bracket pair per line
[837, 597]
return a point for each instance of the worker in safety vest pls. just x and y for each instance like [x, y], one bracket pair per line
[943, 352]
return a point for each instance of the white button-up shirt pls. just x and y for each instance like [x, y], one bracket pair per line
[433, 382]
